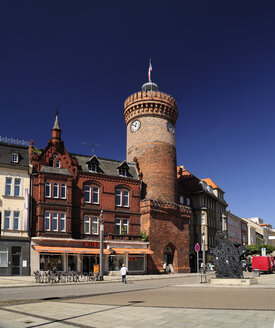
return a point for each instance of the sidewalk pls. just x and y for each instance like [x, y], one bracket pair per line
[27, 281]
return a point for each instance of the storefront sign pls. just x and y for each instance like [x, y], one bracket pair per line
[132, 258]
[91, 244]
[96, 268]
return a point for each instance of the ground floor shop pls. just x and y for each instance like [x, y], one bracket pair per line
[14, 257]
[83, 256]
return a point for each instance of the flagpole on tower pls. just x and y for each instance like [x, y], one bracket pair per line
[149, 74]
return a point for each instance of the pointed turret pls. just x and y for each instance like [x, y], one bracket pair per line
[56, 131]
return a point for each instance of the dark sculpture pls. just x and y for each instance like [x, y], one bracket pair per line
[226, 257]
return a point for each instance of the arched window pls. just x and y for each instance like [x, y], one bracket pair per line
[95, 195]
[87, 194]
[126, 198]
[47, 189]
[55, 190]
[118, 197]
[122, 197]
[63, 191]
[57, 163]
[55, 221]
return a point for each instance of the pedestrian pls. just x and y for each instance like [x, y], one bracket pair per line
[164, 267]
[123, 272]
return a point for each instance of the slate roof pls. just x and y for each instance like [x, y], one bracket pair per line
[107, 166]
[6, 151]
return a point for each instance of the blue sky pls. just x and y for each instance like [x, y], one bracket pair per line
[216, 58]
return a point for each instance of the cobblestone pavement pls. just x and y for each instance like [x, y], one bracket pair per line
[177, 303]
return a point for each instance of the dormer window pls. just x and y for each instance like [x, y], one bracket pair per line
[123, 169]
[93, 167]
[93, 164]
[14, 158]
[123, 172]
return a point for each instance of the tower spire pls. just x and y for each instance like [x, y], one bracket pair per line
[56, 130]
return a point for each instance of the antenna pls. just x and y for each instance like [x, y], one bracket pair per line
[92, 146]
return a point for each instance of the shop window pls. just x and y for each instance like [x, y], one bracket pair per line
[87, 194]
[52, 262]
[55, 190]
[16, 216]
[3, 259]
[47, 221]
[136, 263]
[63, 191]
[47, 189]
[17, 184]
[95, 225]
[116, 261]
[55, 221]
[62, 222]
[7, 216]
[86, 224]
[8, 187]
[72, 262]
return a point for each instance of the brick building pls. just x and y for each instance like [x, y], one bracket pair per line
[69, 192]
[208, 210]
[150, 116]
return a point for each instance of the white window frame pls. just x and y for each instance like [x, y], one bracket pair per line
[118, 196]
[86, 222]
[55, 220]
[5, 264]
[7, 218]
[127, 195]
[95, 223]
[93, 168]
[181, 200]
[63, 219]
[95, 193]
[9, 185]
[14, 158]
[125, 225]
[47, 217]
[58, 164]
[123, 172]
[118, 224]
[16, 185]
[64, 188]
[16, 218]
[49, 185]
[55, 188]
[87, 191]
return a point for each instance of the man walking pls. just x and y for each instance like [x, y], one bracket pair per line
[123, 272]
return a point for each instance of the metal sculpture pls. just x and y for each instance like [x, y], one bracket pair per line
[226, 257]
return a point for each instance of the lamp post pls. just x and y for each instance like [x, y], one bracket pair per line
[203, 222]
[101, 246]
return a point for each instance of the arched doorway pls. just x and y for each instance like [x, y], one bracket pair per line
[168, 255]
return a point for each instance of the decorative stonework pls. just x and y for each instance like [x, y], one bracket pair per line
[152, 205]
[150, 103]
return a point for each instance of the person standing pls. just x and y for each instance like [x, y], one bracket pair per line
[164, 267]
[123, 272]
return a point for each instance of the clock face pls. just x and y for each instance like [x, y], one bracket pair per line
[170, 127]
[135, 126]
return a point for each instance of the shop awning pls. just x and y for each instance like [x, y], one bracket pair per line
[71, 250]
[132, 250]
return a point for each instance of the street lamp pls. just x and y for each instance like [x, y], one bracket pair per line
[101, 246]
[203, 238]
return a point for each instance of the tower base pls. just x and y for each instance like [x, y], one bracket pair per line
[167, 226]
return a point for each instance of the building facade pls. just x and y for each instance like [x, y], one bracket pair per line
[208, 211]
[237, 229]
[14, 210]
[69, 193]
[150, 117]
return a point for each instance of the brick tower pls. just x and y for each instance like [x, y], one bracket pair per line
[150, 116]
